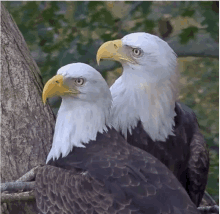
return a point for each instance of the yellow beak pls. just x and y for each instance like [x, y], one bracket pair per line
[112, 50]
[55, 87]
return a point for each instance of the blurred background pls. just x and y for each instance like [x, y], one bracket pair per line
[59, 33]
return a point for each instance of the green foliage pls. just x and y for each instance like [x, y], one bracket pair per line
[59, 33]
[201, 94]
[65, 32]
[187, 34]
[208, 11]
[213, 176]
[188, 13]
[212, 26]
[146, 6]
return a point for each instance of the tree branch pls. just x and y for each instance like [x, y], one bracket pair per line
[202, 46]
[208, 198]
[29, 176]
[209, 209]
[25, 196]
[17, 186]
[29, 186]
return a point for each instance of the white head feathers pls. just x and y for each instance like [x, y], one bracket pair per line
[81, 117]
[147, 89]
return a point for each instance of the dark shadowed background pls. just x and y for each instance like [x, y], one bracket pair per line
[59, 33]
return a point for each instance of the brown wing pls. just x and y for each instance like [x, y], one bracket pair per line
[185, 154]
[61, 191]
[198, 163]
[198, 167]
[110, 177]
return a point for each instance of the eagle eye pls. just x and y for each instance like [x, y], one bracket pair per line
[79, 81]
[137, 52]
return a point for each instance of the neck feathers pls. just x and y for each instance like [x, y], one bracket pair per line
[151, 102]
[77, 123]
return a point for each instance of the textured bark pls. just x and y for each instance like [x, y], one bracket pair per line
[26, 124]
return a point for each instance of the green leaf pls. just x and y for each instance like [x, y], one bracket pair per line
[106, 37]
[107, 17]
[82, 23]
[187, 34]
[211, 20]
[94, 4]
[188, 13]
[149, 25]
[146, 5]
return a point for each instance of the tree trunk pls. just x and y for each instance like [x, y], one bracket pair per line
[26, 124]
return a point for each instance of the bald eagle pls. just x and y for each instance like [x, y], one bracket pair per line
[90, 167]
[146, 111]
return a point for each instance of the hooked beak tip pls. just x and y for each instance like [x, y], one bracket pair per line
[98, 59]
[44, 100]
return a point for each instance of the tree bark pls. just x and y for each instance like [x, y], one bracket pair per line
[26, 125]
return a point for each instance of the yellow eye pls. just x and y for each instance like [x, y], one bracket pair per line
[136, 52]
[79, 81]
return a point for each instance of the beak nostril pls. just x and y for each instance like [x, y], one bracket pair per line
[115, 46]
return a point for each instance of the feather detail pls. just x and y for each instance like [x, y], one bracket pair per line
[152, 102]
[77, 123]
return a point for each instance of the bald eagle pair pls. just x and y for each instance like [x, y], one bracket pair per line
[91, 168]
